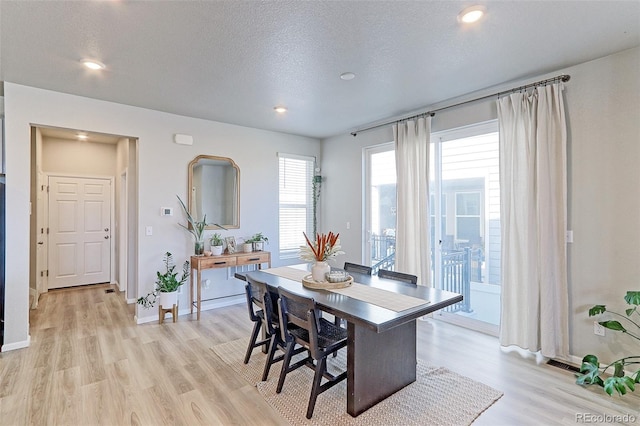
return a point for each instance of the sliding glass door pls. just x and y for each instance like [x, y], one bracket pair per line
[465, 221]
[380, 211]
[464, 209]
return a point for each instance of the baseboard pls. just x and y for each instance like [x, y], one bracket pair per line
[16, 345]
[206, 306]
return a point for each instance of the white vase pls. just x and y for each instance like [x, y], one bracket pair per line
[318, 271]
[216, 250]
[167, 300]
[247, 247]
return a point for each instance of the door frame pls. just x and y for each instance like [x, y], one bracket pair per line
[46, 221]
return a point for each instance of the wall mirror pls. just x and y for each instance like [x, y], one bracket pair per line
[214, 190]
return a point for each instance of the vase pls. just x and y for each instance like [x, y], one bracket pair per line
[319, 269]
[216, 250]
[199, 247]
[167, 300]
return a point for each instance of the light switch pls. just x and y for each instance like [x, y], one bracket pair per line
[149, 230]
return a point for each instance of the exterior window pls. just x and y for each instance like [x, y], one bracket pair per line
[468, 226]
[296, 202]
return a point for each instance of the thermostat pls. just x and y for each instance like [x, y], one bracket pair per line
[166, 211]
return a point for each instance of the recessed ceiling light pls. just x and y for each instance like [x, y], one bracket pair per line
[280, 109]
[347, 76]
[471, 14]
[92, 65]
[82, 136]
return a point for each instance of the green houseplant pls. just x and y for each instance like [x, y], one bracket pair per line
[620, 381]
[195, 227]
[216, 244]
[258, 241]
[166, 282]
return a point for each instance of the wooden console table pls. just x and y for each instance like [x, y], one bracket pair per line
[200, 263]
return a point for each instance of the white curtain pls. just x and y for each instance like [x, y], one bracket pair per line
[533, 184]
[413, 254]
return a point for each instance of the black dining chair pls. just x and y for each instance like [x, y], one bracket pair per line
[354, 267]
[398, 276]
[319, 336]
[261, 312]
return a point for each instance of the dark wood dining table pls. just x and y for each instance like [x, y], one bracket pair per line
[382, 343]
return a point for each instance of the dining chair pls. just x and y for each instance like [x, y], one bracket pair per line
[261, 312]
[354, 267]
[398, 276]
[319, 336]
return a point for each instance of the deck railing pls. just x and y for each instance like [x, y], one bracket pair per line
[459, 268]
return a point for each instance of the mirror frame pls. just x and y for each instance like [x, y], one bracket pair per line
[232, 163]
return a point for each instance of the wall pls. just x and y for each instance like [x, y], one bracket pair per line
[162, 174]
[78, 157]
[603, 106]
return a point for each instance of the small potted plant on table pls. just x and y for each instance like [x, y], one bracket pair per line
[259, 241]
[196, 228]
[216, 244]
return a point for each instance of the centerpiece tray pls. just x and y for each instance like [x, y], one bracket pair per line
[309, 282]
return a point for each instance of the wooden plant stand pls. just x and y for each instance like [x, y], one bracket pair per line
[162, 311]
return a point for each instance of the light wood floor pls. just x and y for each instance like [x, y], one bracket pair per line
[89, 363]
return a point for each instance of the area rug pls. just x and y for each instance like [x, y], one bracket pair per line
[438, 396]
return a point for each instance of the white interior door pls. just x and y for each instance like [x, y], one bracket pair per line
[79, 231]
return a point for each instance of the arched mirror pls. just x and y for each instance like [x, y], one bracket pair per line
[214, 191]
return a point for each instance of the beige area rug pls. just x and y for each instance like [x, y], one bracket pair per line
[437, 397]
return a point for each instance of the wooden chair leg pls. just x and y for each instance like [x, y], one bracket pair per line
[285, 365]
[252, 340]
[321, 365]
[270, 356]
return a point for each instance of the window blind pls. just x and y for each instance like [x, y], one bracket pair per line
[295, 202]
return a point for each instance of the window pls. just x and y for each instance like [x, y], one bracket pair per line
[296, 202]
[468, 226]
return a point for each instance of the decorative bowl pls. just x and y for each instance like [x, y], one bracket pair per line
[336, 276]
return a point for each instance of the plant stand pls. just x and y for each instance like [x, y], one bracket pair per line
[162, 311]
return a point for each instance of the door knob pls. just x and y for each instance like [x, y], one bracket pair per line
[106, 237]
[106, 229]
[41, 242]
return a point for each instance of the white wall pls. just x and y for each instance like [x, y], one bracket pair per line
[603, 111]
[162, 172]
[80, 157]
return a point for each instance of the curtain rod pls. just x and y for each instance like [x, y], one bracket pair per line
[564, 78]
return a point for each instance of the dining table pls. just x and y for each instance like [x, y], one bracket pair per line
[381, 319]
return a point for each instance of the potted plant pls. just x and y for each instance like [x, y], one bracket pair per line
[167, 284]
[258, 241]
[216, 244]
[590, 371]
[247, 245]
[196, 228]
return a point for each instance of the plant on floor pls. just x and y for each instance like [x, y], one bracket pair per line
[590, 370]
[166, 282]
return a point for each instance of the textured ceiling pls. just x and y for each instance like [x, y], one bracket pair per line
[233, 61]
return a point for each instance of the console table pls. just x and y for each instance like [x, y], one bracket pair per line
[200, 263]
